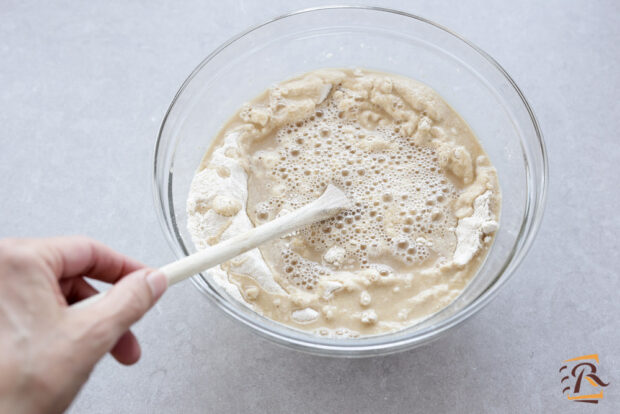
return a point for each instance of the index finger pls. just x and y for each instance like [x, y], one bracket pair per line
[82, 256]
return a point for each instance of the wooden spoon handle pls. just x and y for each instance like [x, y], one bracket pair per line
[331, 202]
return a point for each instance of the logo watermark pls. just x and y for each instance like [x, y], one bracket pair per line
[580, 380]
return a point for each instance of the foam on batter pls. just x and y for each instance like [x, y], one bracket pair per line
[402, 199]
[426, 202]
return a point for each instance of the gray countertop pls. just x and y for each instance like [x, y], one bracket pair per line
[84, 86]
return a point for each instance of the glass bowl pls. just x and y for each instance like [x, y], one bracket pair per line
[373, 38]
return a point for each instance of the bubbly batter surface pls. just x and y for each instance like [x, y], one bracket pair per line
[425, 194]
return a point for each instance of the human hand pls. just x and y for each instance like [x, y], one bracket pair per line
[47, 349]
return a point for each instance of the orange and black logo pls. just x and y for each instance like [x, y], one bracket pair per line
[580, 380]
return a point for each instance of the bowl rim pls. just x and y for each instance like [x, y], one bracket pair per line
[534, 210]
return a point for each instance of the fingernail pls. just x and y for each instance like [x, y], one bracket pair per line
[158, 283]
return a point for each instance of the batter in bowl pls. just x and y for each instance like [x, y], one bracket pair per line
[426, 199]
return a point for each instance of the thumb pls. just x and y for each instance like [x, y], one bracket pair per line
[130, 298]
[105, 321]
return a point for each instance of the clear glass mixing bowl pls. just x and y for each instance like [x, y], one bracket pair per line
[374, 38]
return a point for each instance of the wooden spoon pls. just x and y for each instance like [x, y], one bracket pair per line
[332, 201]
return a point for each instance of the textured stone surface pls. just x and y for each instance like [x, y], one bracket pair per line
[83, 88]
